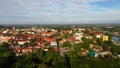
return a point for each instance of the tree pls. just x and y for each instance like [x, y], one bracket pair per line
[39, 53]
[115, 50]
[99, 41]
[66, 44]
[26, 44]
[6, 56]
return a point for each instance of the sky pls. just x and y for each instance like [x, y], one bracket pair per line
[59, 11]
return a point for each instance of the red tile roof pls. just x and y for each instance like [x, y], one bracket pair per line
[55, 49]
[53, 40]
[50, 39]
[86, 34]
[97, 33]
[70, 38]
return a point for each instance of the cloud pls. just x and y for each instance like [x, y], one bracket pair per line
[57, 10]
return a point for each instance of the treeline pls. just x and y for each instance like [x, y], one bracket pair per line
[41, 59]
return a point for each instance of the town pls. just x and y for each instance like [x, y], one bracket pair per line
[69, 42]
[59, 33]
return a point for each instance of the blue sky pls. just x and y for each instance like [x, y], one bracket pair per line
[59, 11]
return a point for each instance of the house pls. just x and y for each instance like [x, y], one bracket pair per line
[116, 40]
[116, 33]
[91, 45]
[81, 29]
[14, 51]
[30, 49]
[65, 49]
[93, 54]
[38, 46]
[24, 50]
[52, 41]
[5, 38]
[47, 39]
[87, 36]
[55, 49]
[97, 49]
[18, 49]
[43, 33]
[77, 41]
[102, 54]
[21, 42]
[70, 39]
[83, 53]
[118, 55]
[98, 34]
[62, 41]
[78, 36]
[45, 49]
[5, 31]
[105, 38]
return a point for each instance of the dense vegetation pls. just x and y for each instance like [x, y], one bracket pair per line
[41, 59]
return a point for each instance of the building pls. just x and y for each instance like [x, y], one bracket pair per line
[105, 38]
[116, 40]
